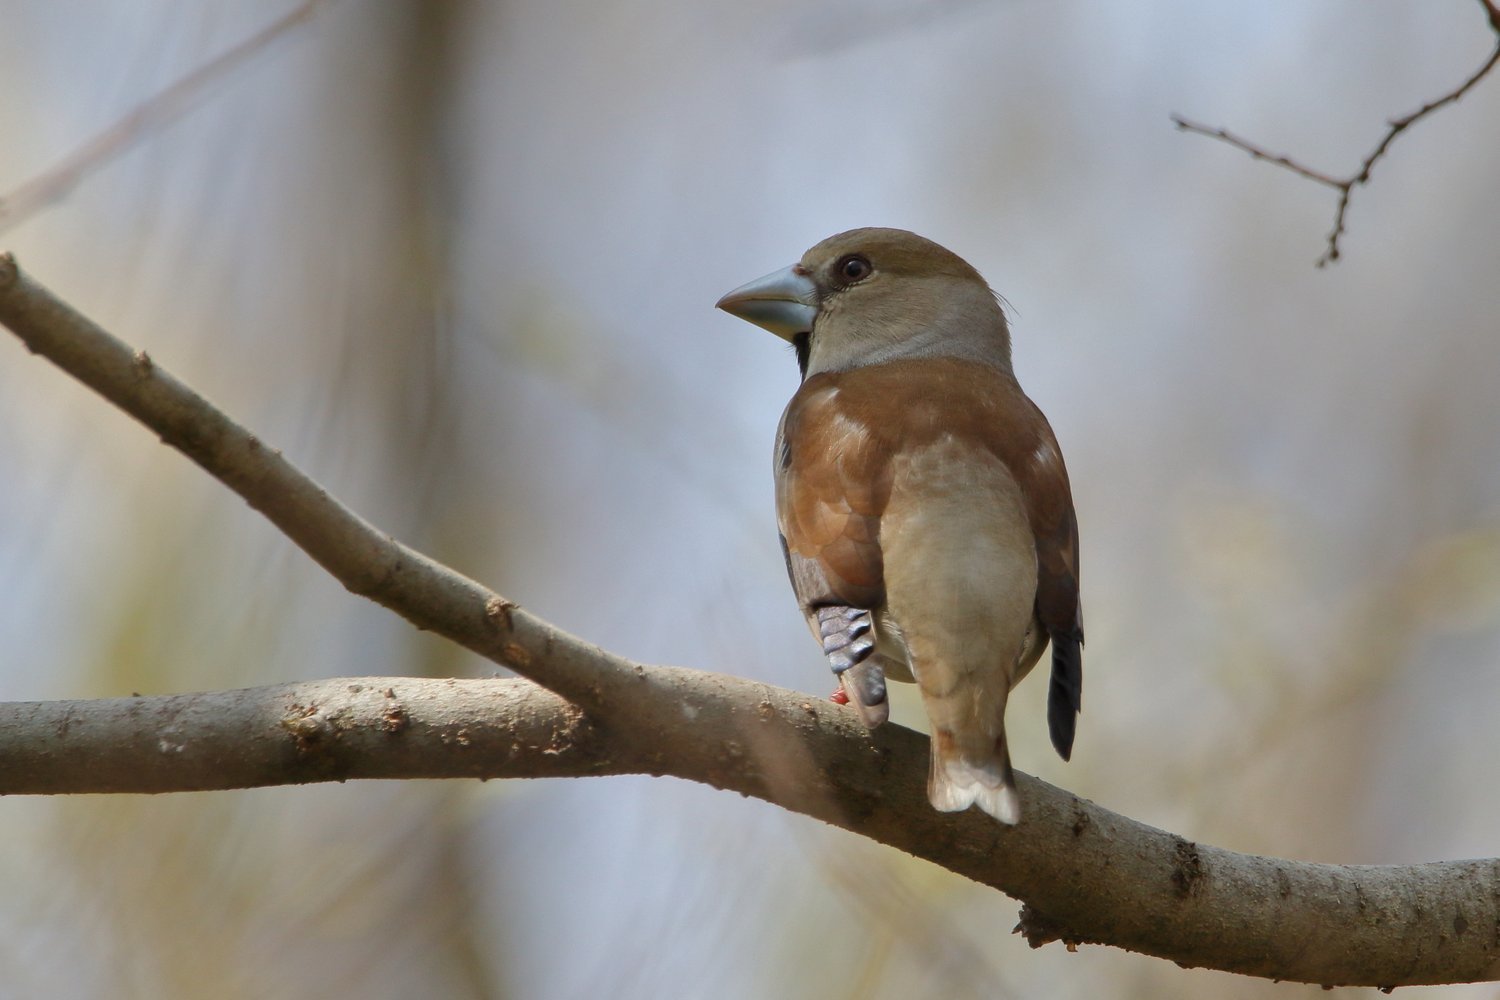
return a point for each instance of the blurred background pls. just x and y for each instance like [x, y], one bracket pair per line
[458, 259]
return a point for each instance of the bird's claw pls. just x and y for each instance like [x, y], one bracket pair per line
[863, 685]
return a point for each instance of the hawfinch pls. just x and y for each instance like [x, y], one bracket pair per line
[924, 508]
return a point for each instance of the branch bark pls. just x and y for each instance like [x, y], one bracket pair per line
[1086, 875]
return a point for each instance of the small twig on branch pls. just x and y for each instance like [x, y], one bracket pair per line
[162, 108]
[1087, 875]
[1345, 185]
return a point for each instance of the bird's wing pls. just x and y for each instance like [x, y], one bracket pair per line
[1034, 459]
[830, 491]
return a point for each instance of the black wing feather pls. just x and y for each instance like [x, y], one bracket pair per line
[1065, 692]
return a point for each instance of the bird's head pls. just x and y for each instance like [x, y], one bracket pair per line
[873, 295]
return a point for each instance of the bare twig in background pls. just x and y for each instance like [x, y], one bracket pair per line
[1345, 185]
[166, 106]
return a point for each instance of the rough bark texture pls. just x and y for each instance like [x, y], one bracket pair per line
[1085, 874]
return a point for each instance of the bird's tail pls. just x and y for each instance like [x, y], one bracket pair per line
[960, 778]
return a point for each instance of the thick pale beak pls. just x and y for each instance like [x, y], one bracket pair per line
[784, 302]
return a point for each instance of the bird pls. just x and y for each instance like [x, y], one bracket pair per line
[925, 512]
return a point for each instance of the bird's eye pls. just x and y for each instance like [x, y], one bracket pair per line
[854, 267]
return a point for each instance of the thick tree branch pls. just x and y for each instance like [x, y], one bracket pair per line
[1345, 185]
[1085, 873]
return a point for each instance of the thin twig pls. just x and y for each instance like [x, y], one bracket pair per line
[1345, 185]
[162, 108]
[1256, 152]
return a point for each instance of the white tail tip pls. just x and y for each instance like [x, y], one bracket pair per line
[954, 786]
